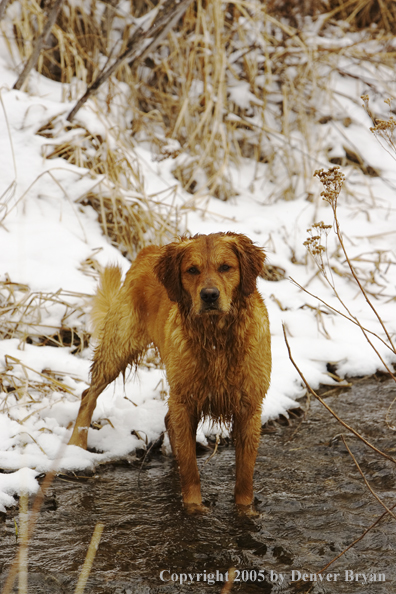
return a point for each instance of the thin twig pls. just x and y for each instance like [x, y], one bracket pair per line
[352, 269]
[24, 542]
[304, 416]
[147, 453]
[214, 451]
[377, 521]
[350, 318]
[370, 445]
[357, 322]
[367, 483]
[332, 181]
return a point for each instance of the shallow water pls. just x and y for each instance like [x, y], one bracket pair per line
[311, 498]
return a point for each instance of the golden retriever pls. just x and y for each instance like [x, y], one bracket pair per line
[196, 300]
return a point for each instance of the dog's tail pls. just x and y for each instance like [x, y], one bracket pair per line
[109, 285]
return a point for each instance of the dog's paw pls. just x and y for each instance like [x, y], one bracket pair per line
[196, 509]
[248, 511]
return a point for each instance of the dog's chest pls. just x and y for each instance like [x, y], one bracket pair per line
[220, 386]
[210, 379]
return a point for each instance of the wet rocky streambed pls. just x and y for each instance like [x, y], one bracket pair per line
[312, 501]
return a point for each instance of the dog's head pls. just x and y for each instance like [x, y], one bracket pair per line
[209, 272]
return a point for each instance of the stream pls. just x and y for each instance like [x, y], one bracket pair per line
[312, 503]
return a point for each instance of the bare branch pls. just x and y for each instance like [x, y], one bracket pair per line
[40, 41]
[171, 12]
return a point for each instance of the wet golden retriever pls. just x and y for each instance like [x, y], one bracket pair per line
[196, 300]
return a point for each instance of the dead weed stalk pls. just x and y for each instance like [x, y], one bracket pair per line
[27, 526]
[333, 180]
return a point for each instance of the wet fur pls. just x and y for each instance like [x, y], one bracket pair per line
[217, 354]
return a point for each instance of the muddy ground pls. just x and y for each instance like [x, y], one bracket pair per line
[311, 498]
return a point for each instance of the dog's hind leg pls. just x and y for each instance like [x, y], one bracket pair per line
[122, 342]
[171, 436]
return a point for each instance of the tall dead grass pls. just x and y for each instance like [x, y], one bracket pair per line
[359, 14]
[231, 81]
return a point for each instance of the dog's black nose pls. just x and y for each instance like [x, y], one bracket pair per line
[210, 295]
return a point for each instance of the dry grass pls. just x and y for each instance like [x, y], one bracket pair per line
[231, 81]
[24, 316]
[359, 14]
[128, 216]
[23, 313]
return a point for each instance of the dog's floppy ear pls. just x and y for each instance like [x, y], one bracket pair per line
[167, 270]
[251, 260]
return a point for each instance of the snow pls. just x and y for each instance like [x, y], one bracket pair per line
[46, 235]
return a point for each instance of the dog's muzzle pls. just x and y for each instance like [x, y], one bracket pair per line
[210, 297]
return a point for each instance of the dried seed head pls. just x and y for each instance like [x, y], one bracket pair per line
[332, 179]
[314, 245]
[322, 227]
[383, 130]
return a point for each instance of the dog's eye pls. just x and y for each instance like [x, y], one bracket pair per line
[224, 268]
[193, 270]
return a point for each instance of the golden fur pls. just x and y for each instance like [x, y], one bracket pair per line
[196, 300]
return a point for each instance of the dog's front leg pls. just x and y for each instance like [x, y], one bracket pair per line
[247, 427]
[182, 428]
